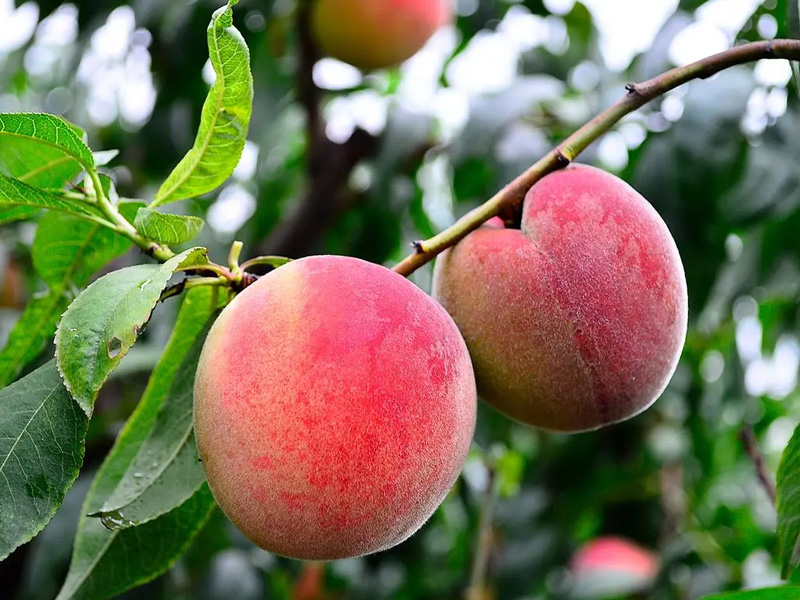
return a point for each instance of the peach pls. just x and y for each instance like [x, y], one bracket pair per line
[612, 566]
[577, 320]
[334, 407]
[375, 34]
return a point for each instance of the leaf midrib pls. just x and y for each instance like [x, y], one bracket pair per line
[161, 470]
[46, 142]
[45, 167]
[25, 429]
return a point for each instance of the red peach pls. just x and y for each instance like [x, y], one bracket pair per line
[375, 34]
[334, 407]
[612, 566]
[578, 320]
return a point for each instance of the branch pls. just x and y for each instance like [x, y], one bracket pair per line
[307, 91]
[273, 262]
[121, 225]
[748, 438]
[510, 198]
[187, 284]
[235, 278]
[328, 166]
[327, 196]
[485, 542]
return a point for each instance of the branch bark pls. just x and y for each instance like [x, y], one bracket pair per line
[327, 196]
[485, 542]
[748, 438]
[510, 198]
[328, 165]
[308, 93]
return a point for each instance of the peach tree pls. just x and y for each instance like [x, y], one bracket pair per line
[333, 402]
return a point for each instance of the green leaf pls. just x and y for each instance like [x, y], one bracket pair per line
[106, 563]
[165, 228]
[166, 471]
[788, 505]
[224, 120]
[67, 251]
[105, 182]
[30, 334]
[103, 323]
[42, 150]
[15, 193]
[9, 214]
[785, 592]
[42, 435]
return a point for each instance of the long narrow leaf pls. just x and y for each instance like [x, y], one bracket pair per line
[30, 334]
[67, 251]
[166, 470]
[785, 592]
[106, 563]
[15, 193]
[225, 118]
[788, 505]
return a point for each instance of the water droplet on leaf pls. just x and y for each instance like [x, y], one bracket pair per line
[115, 520]
[114, 347]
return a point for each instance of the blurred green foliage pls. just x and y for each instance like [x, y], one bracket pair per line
[718, 160]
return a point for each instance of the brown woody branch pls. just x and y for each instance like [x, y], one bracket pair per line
[510, 198]
[328, 166]
[748, 438]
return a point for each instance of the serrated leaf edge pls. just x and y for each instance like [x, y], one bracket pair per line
[73, 478]
[178, 260]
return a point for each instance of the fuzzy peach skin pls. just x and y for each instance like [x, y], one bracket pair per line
[334, 407]
[375, 34]
[578, 320]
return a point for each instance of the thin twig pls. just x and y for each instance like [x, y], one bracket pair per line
[748, 438]
[122, 226]
[510, 198]
[187, 284]
[485, 541]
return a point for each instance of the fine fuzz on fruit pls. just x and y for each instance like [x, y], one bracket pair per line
[578, 320]
[375, 34]
[334, 407]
